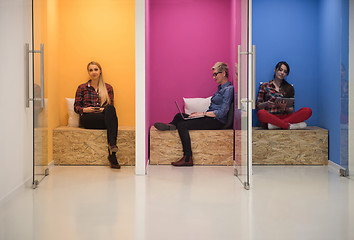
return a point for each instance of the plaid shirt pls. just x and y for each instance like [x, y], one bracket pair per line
[266, 93]
[86, 96]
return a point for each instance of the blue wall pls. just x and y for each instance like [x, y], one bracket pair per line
[308, 34]
[288, 30]
[329, 64]
[334, 47]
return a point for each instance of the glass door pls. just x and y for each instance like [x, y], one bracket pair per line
[244, 98]
[344, 93]
[40, 104]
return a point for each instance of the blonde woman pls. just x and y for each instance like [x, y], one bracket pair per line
[94, 103]
[214, 118]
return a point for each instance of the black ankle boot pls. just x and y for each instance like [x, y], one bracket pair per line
[113, 161]
[164, 126]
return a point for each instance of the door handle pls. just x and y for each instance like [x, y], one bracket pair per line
[238, 76]
[27, 97]
[27, 53]
[253, 53]
[254, 76]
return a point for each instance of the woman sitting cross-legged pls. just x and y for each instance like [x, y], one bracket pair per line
[277, 114]
[214, 118]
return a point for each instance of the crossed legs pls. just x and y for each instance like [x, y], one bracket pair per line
[284, 121]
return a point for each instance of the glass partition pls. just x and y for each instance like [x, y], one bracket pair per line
[344, 95]
[244, 96]
[40, 103]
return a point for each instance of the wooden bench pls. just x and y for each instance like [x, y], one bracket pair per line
[307, 146]
[210, 147]
[215, 147]
[79, 146]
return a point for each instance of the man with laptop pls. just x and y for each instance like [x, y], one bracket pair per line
[214, 118]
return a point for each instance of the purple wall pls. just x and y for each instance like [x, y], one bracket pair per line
[186, 38]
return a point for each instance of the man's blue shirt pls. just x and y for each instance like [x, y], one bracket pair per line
[221, 100]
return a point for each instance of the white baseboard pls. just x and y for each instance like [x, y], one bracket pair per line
[21, 187]
[16, 190]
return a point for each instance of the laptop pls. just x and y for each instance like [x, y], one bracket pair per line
[186, 118]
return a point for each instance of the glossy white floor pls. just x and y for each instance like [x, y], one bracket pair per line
[182, 203]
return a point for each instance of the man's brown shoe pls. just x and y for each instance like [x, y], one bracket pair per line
[182, 162]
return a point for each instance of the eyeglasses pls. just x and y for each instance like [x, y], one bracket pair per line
[215, 74]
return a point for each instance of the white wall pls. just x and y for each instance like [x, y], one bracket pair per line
[15, 120]
[351, 87]
[140, 128]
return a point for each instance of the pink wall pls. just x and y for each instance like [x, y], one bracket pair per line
[186, 38]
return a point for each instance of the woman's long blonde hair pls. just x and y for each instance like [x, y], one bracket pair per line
[102, 90]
